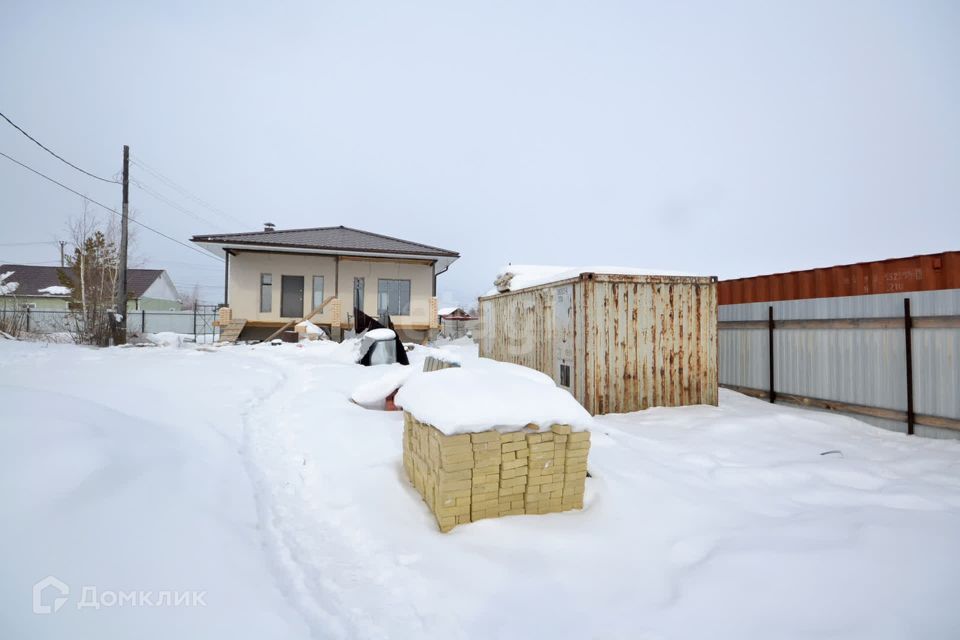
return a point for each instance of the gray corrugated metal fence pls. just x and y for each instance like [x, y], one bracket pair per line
[189, 322]
[862, 366]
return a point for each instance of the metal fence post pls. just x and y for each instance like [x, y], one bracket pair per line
[143, 320]
[908, 343]
[28, 319]
[773, 393]
[194, 321]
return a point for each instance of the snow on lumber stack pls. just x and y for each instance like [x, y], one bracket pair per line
[474, 445]
[461, 400]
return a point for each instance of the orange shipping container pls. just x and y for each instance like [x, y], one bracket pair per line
[930, 272]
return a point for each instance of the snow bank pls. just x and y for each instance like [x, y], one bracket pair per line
[371, 394]
[166, 338]
[419, 353]
[522, 276]
[463, 400]
[249, 474]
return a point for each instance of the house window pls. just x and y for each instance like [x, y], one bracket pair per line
[266, 292]
[393, 297]
[317, 292]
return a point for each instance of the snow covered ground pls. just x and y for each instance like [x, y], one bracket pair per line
[246, 474]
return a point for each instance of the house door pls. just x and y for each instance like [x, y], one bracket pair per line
[358, 293]
[291, 296]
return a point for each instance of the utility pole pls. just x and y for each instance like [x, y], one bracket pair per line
[62, 261]
[120, 325]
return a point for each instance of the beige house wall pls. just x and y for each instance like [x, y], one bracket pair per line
[420, 275]
[244, 285]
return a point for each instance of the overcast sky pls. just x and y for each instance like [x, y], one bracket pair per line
[726, 138]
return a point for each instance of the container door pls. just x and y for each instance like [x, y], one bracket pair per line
[291, 296]
[563, 336]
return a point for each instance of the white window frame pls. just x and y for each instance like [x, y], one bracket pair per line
[266, 301]
[313, 292]
[402, 309]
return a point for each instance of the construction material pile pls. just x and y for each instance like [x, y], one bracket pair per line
[481, 445]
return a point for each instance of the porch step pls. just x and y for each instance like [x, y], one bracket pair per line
[231, 330]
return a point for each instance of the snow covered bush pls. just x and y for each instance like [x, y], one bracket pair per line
[11, 313]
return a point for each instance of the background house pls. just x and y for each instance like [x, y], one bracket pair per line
[274, 276]
[40, 288]
[456, 323]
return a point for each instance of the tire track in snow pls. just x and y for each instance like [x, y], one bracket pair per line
[343, 579]
[291, 579]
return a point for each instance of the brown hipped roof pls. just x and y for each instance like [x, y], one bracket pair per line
[31, 279]
[328, 238]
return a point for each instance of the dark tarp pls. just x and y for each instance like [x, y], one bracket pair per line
[362, 322]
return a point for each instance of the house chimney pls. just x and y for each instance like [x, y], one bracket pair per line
[269, 226]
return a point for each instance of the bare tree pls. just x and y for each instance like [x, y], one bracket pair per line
[190, 300]
[90, 273]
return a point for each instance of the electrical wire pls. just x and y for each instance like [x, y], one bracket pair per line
[184, 191]
[154, 194]
[48, 150]
[25, 244]
[113, 211]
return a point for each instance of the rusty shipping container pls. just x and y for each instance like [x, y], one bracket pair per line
[930, 272]
[618, 343]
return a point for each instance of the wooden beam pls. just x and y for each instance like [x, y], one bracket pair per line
[919, 322]
[760, 394]
[894, 415]
[741, 324]
[293, 322]
[936, 322]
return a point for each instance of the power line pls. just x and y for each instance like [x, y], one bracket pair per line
[25, 244]
[184, 191]
[113, 211]
[153, 193]
[48, 150]
[193, 265]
